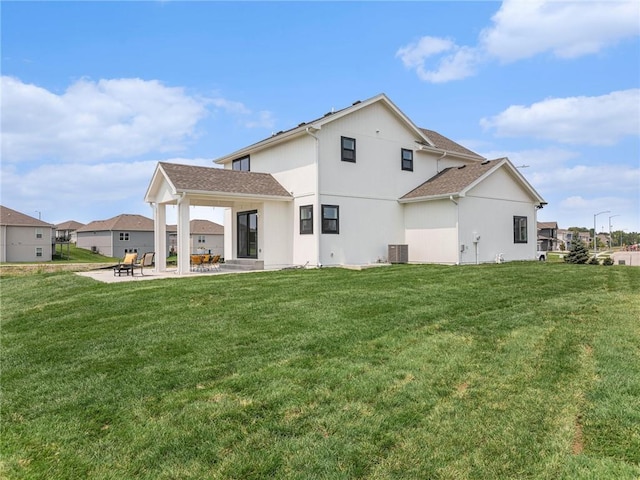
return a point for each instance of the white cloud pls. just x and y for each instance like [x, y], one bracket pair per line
[602, 120]
[522, 29]
[246, 117]
[75, 189]
[458, 63]
[95, 120]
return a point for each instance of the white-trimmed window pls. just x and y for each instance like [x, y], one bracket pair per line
[124, 236]
[520, 229]
[201, 239]
[38, 233]
[38, 251]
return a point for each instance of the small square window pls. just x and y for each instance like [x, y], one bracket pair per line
[407, 159]
[330, 219]
[519, 229]
[124, 236]
[201, 239]
[242, 164]
[348, 149]
[306, 219]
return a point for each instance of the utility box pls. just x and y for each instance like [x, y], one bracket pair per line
[398, 253]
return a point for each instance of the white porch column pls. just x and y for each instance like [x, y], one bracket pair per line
[183, 236]
[160, 236]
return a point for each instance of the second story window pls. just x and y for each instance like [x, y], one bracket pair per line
[38, 233]
[348, 146]
[201, 239]
[242, 164]
[407, 159]
[124, 236]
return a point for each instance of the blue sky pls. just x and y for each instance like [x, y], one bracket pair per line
[94, 94]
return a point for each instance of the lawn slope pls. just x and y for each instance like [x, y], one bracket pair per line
[518, 370]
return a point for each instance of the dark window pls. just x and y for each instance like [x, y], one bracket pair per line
[348, 149]
[38, 233]
[519, 229]
[124, 236]
[247, 231]
[330, 219]
[407, 160]
[306, 219]
[241, 164]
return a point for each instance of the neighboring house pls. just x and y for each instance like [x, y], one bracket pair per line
[119, 235]
[67, 231]
[24, 238]
[206, 237]
[548, 236]
[349, 188]
[564, 238]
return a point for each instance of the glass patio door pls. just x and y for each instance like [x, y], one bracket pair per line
[247, 226]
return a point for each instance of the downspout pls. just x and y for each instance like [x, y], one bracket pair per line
[316, 216]
[457, 229]
[444, 154]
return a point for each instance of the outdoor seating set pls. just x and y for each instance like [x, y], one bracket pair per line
[130, 263]
[205, 262]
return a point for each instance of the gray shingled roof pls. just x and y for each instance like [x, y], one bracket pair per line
[205, 227]
[208, 179]
[121, 222]
[444, 143]
[69, 225]
[451, 181]
[14, 218]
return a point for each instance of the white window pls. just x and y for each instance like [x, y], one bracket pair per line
[38, 251]
[38, 233]
[201, 239]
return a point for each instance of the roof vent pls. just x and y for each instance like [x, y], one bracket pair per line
[328, 113]
[281, 131]
[461, 167]
[301, 124]
[486, 162]
[356, 102]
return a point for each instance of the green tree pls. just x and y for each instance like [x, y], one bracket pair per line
[578, 253]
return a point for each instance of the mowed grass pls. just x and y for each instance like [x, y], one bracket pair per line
[517, 370]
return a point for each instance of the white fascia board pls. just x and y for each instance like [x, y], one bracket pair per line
[440, 151]
[235, 196]
[428, 198]
[158, 176]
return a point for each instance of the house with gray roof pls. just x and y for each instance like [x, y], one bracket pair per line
[24, 238]
[119, 235]
[354, 187]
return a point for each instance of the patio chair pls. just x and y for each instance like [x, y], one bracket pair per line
[126, 265]
[215, 262]
[146, 261]
[196, 262]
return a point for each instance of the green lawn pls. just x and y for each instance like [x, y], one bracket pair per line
[518, 370]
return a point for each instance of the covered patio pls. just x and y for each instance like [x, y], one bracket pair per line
[186, 186]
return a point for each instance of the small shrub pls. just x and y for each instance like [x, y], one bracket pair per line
[594, 261]
[608, 261]
[578, 253]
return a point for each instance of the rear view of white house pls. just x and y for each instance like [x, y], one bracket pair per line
[352, 186]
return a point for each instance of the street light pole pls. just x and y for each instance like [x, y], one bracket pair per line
[611, 239]
[595, 238]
